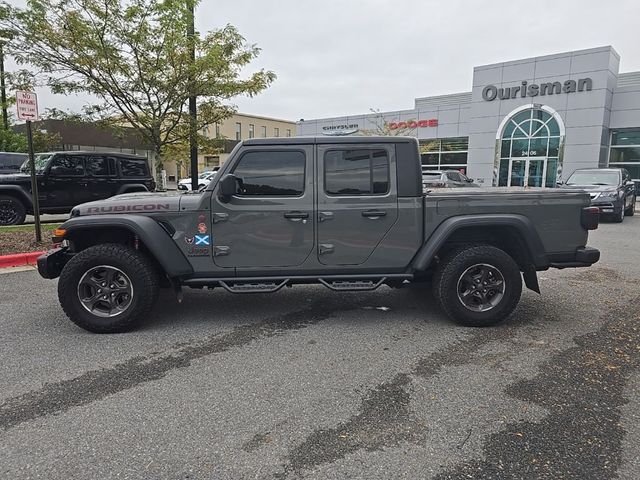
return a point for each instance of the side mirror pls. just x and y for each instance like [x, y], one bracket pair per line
[559, 184]
[631, 184]
[469, 180]
[228, 187]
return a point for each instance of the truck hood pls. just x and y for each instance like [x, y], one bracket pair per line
[140, 202]
[15, 178]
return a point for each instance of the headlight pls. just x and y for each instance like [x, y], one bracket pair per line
[612, 194]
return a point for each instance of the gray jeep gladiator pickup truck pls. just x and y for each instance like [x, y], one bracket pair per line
[346, 212]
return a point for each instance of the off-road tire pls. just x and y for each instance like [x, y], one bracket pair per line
[139, 269]
[20, 211]
[631, 210]
[452, 267]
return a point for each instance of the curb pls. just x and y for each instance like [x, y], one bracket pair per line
[19, 259]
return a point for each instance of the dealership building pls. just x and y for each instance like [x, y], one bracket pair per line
[528, 122]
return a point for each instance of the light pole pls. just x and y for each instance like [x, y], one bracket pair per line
[193, 125]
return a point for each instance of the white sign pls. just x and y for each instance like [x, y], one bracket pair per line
[27, 103]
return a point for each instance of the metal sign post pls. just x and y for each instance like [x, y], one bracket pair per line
[27, 104]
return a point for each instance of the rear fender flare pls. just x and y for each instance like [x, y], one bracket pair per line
[154, 237]
[443, 232]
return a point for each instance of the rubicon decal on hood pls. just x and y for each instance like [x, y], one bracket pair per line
[150, 207]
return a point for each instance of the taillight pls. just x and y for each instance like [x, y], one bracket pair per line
[590, 218]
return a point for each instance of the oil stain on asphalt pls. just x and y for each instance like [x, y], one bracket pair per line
[95, 385]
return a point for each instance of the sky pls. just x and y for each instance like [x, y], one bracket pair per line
[345, 57]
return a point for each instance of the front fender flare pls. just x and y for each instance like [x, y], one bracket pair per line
[20, 192]
[522, 224]
[159, 243]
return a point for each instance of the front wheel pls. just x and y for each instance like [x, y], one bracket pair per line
[619, 217]
[478, 286]
[631, 210]
[108, 288]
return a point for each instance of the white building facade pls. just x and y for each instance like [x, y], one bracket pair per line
[528, 122]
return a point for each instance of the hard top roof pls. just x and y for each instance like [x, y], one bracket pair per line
[328, 139]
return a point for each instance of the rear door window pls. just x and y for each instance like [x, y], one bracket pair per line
[133, 167]
[99, 166]
[356, 171]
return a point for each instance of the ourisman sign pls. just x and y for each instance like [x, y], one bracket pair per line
[491, 92]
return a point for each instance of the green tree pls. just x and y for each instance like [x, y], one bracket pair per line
[133, 56]
[12, 141]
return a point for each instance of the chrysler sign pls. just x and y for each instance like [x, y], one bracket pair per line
[491, 92]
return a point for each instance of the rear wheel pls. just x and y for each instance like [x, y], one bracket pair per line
[478, 286]
[631, 210]
[108, 288]
[12, 211]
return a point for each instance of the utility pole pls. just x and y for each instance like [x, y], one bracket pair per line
[193, 125]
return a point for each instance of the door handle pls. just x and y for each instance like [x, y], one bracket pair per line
[373, 214]
[296, 215]
[324, 216]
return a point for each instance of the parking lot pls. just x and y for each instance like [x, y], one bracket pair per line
[308, 383]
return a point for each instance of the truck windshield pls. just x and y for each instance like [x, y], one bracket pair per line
[40, 161]
[594, 178]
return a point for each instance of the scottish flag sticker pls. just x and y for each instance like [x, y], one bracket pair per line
[202, 240]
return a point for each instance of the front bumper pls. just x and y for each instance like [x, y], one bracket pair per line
[582, 257]
[50, 264]
[606, 207]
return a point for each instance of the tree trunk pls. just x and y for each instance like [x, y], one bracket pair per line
[159, 165]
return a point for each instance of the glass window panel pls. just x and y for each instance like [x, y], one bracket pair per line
[524, 115]
[505, 150]
[536, 170]
[518, 173]
[538, 147]
[520, 148]
[554, 128]
[541, 115]
[356, 172]
[429, 146]
[508, 130]
[539, 129]
[133, 167]
[451, 158]
[628, 137]
[271, 173]
[455, 144]
[554, 146]
[380, 171]
[98, 166]
[68, 165]
[503, 174]
[625, 154]
[430, 158]
[522, 130]
[552, 171]
[634, 170]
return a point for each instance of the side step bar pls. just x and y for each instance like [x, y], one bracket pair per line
[337, 283]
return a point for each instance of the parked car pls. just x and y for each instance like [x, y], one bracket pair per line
[345, 212]
[66, 179]
[11, 162]
[203, 180]
[611, 190]
[446, 179]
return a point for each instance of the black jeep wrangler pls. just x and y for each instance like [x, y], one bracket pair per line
[66, 179]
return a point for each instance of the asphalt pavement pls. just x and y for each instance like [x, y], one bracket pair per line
[309, 383]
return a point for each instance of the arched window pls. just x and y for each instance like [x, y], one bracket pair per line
[530, 148]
